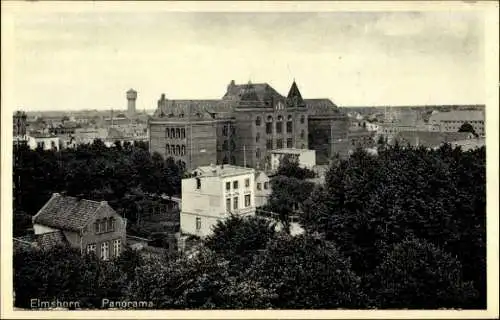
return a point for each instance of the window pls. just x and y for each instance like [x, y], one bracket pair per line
[172, 149]
[257, 153]
[259, 186]
[289, 143]
[279, 143]
[198, 224]
[96, 226]
[167, 149]
[104, 251]
[183, 150]
[266, 185]
[302, 134]
[279, 127]
[269, 118]
[111, 224]
[224, 145]
[269, 144]
[257, 121]
[235, 184]
[225, 131]
[247, 200]
[233, 160]
[225, 160]
[198, 183]
[91, 248]
[103, 224]
[177, 133]
[117, 247]
[302, 119]
[172, 133]
[181, 115]
[228, 204]
[269, 128]
[235, 203]
[178, 149]
[289, 127]
[257, 137]
[228, 186]
[247, 183]
[183, 133]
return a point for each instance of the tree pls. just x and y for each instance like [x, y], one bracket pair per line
[239, 239]
[417, 275]
[291, 168]
[287, 197]
[306, 272]
[467, 127]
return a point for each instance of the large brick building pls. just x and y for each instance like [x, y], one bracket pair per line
[244, 126]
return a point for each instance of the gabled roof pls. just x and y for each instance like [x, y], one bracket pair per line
[263, 91]
[67, 213]
[294, 96]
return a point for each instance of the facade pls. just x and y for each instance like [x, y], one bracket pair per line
[453, 120]
[262, 188]
[43, 141]
[431, 139]
[90, 226]
[215, 192]
[243, 127]
[305, 158]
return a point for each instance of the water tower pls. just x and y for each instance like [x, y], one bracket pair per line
[131, 98]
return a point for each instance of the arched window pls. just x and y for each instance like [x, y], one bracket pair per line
[172, 149]
[167, 132]
[172, 133]
[290, 117]
[177, 133]
[257, 121]
[269, 118]
[183, 150]
[289, 124]
[302, 119]
[178, 149]
[279, 124]
[183, 133]
[167, 149]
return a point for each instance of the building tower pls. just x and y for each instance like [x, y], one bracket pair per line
[131, 98]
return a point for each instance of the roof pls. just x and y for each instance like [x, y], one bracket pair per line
[51, 239]
[197, 109]
[429, 138]
[459, 115]
[223, 170]
[263, 91]
[318, 107]
[294, 95]
[67, 213]
[291, 151]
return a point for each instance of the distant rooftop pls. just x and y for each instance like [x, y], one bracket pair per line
[291, 151]
[459, 115]
[223, 170]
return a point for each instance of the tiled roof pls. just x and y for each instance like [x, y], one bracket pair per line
[318, 107]
[263, 91]
[66, 213]
[51, 239]
[461, 115]
[197, 109]
[430, 139]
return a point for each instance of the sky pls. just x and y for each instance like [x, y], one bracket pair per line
[69, 60]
